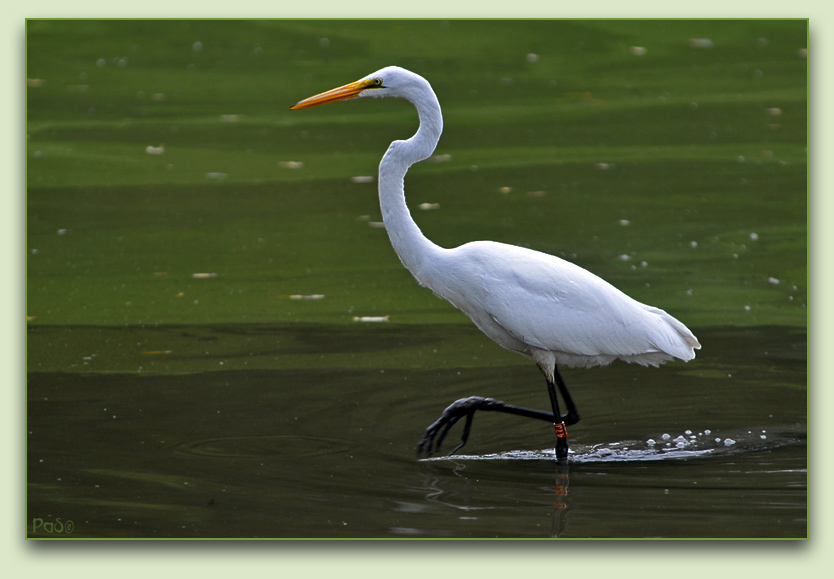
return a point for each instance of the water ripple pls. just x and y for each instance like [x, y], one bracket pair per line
[664, 447]
[282, 446]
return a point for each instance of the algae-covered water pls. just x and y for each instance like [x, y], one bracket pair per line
[222, 343]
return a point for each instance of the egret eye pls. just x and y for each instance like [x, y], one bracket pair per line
[378, 82]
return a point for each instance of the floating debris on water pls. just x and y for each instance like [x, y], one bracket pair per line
[306, 297]
[701, 43]
[291, 164]
[203, 275]
[428, 206]
[151, 150]
[362, 179]
[370, 319]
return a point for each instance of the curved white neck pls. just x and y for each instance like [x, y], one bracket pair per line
[413, 248]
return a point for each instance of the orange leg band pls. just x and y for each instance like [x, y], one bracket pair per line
[561, 430]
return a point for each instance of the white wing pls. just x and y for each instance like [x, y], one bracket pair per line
[526, 301]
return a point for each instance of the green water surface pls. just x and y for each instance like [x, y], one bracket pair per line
[198, 256]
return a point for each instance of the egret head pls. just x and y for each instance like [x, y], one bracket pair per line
[391, 81]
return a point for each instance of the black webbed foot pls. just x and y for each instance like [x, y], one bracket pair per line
[465, 407]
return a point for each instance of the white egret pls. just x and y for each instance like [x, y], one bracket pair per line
[532, 303]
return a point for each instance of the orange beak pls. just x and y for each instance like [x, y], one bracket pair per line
[348, 91]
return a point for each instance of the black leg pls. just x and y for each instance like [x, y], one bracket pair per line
[572, 415]
[466, 407]
[558, 424]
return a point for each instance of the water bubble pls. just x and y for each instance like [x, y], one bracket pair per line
[729, 442]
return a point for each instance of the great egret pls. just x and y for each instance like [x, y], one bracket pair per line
[532, 303]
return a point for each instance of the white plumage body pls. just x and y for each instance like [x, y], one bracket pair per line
[551, 310]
